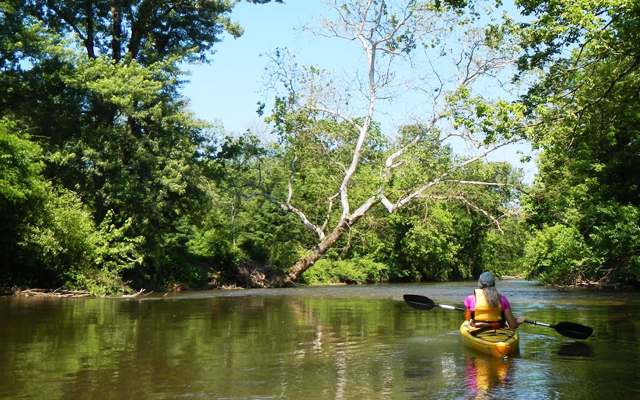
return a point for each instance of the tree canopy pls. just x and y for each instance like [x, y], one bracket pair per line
[108, 182]
[95, 87]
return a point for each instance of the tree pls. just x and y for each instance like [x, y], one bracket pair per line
[327, 125]
[126, 90]
[96, 85]
[586, 102]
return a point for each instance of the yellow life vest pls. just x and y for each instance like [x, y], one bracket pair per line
[483, 312]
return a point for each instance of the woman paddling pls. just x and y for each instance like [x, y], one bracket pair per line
[488, 307]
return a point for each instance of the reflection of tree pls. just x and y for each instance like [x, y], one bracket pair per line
[324, 331]
[235, 346]
[346, 340]
[576, 349]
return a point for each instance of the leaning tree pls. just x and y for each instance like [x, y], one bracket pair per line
[447, 64]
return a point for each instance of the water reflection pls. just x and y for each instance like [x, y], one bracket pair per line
[353, 343]
[483, 375]
[576, 349]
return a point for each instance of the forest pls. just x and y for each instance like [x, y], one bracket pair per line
[110, 184]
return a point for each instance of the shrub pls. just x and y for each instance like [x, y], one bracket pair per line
[613, 235]
[359, 270]
[556, 255]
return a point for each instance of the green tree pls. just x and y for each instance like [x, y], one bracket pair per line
[21, 190]
[96, 85]
[587, 106]
[47, 236]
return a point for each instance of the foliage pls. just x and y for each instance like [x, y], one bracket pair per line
[587, 106]
[20, 167]
[22, 189]
[109, 183]
[430, 246]
[259, 228]
[355, 270]
[556, 255]
[444, 241]
[503, 254]
[102, 173]
[59, 246]
[114, 252]
[614, 239]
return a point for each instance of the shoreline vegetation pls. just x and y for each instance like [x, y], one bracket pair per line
[62, 293]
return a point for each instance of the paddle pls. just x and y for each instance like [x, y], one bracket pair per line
[424, 303]
[568, 329]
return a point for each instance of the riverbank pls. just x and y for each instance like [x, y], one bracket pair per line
[61, 293]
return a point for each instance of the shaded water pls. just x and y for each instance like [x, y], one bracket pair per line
[358, 342]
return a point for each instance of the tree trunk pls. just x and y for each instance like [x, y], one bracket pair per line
[325, 244]
[116, 39]
[88, 41]
[306, 262]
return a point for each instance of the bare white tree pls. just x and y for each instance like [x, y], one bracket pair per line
[412, 50]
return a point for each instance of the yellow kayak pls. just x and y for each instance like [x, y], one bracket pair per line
[499, 342]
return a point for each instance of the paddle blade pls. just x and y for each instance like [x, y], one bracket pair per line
[573, 330]
[418, 302]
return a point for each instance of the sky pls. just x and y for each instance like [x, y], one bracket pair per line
[229, 88]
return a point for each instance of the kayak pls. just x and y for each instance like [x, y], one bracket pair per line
[497, 342]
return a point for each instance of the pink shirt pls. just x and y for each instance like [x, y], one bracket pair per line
[470, 303]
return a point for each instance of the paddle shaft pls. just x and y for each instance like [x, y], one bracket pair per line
[449, 307]
[540, 324]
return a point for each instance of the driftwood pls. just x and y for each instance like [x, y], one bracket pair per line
[66, 293]
[142, 291]
[52, 293]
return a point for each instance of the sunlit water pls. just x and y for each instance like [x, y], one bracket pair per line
[354, 342]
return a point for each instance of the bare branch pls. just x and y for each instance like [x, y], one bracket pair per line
[328, 155]
[289, 183]
[334, 113]
[391, 160]
[418, 192]
[326, 219]
[478, 183]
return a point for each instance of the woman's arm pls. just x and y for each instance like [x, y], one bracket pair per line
[514, 323]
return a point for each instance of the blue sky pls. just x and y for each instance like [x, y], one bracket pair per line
[229, 88]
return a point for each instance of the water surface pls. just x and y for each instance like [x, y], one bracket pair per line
[354, 342]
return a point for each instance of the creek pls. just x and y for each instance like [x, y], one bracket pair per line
[337, 342]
